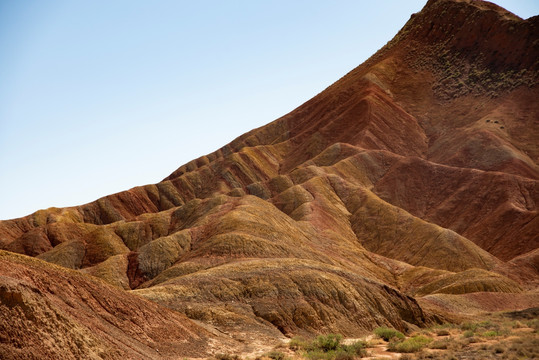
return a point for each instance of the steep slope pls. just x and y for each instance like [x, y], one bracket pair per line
[416, 174]
[47, 312]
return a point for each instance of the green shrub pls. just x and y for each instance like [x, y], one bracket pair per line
[357, 348]
[329, 347]
[344, 355]
[327, 342]
[319, 355]
[468, 334]
[388, 334]
[487, 325]
[468, 326]
[490, 333]
[409, 345]
[339, 354]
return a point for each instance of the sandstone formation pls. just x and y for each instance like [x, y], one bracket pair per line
[404, 193]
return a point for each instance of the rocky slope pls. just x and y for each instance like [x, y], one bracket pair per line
[411, 181]
[50, 312]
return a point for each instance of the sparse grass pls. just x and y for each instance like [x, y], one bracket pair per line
[328, 347]
[275, 355]
[477, 340]
[534, 324]
[410, 345]
[406, 357]
[491, 333]
[298, 343]
[440, 344]
[517, 324]
[498, 349]
[443, 332]
[226, 357]
[468, 326]
[487, 325]
[327, 343]
[388, 334]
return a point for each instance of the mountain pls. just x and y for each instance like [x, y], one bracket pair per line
[401, 193]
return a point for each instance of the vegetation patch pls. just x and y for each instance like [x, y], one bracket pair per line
[410, 345]
[328, 347]
[468, 326]
[491, 333]
[226, 357]
[485, 340]
[440, 344]
[442, 332]
[388, 334]
[275, 355]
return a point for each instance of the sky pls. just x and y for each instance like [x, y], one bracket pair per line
[97, 97]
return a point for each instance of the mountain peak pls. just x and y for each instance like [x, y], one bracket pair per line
[476, 28]
[479, 4]
[470, 46]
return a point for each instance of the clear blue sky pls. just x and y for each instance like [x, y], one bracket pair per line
[100, 96]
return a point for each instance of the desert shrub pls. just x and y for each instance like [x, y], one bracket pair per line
[329, 355]
[329, 347]
[344, 355]
[388, 334]
[357, 348]
[410, 345]
[490, 333]
[275, 355]
[298, 343]
[467, 334]
[327, 342]
[468, 326]
[517, 325]
[526, 346]
[439, 344]
[319, 355]
[442, 332]
[534, 324]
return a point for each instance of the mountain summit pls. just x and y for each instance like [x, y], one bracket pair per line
[396, 193]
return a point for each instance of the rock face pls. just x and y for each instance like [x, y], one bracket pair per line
[410, 182]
